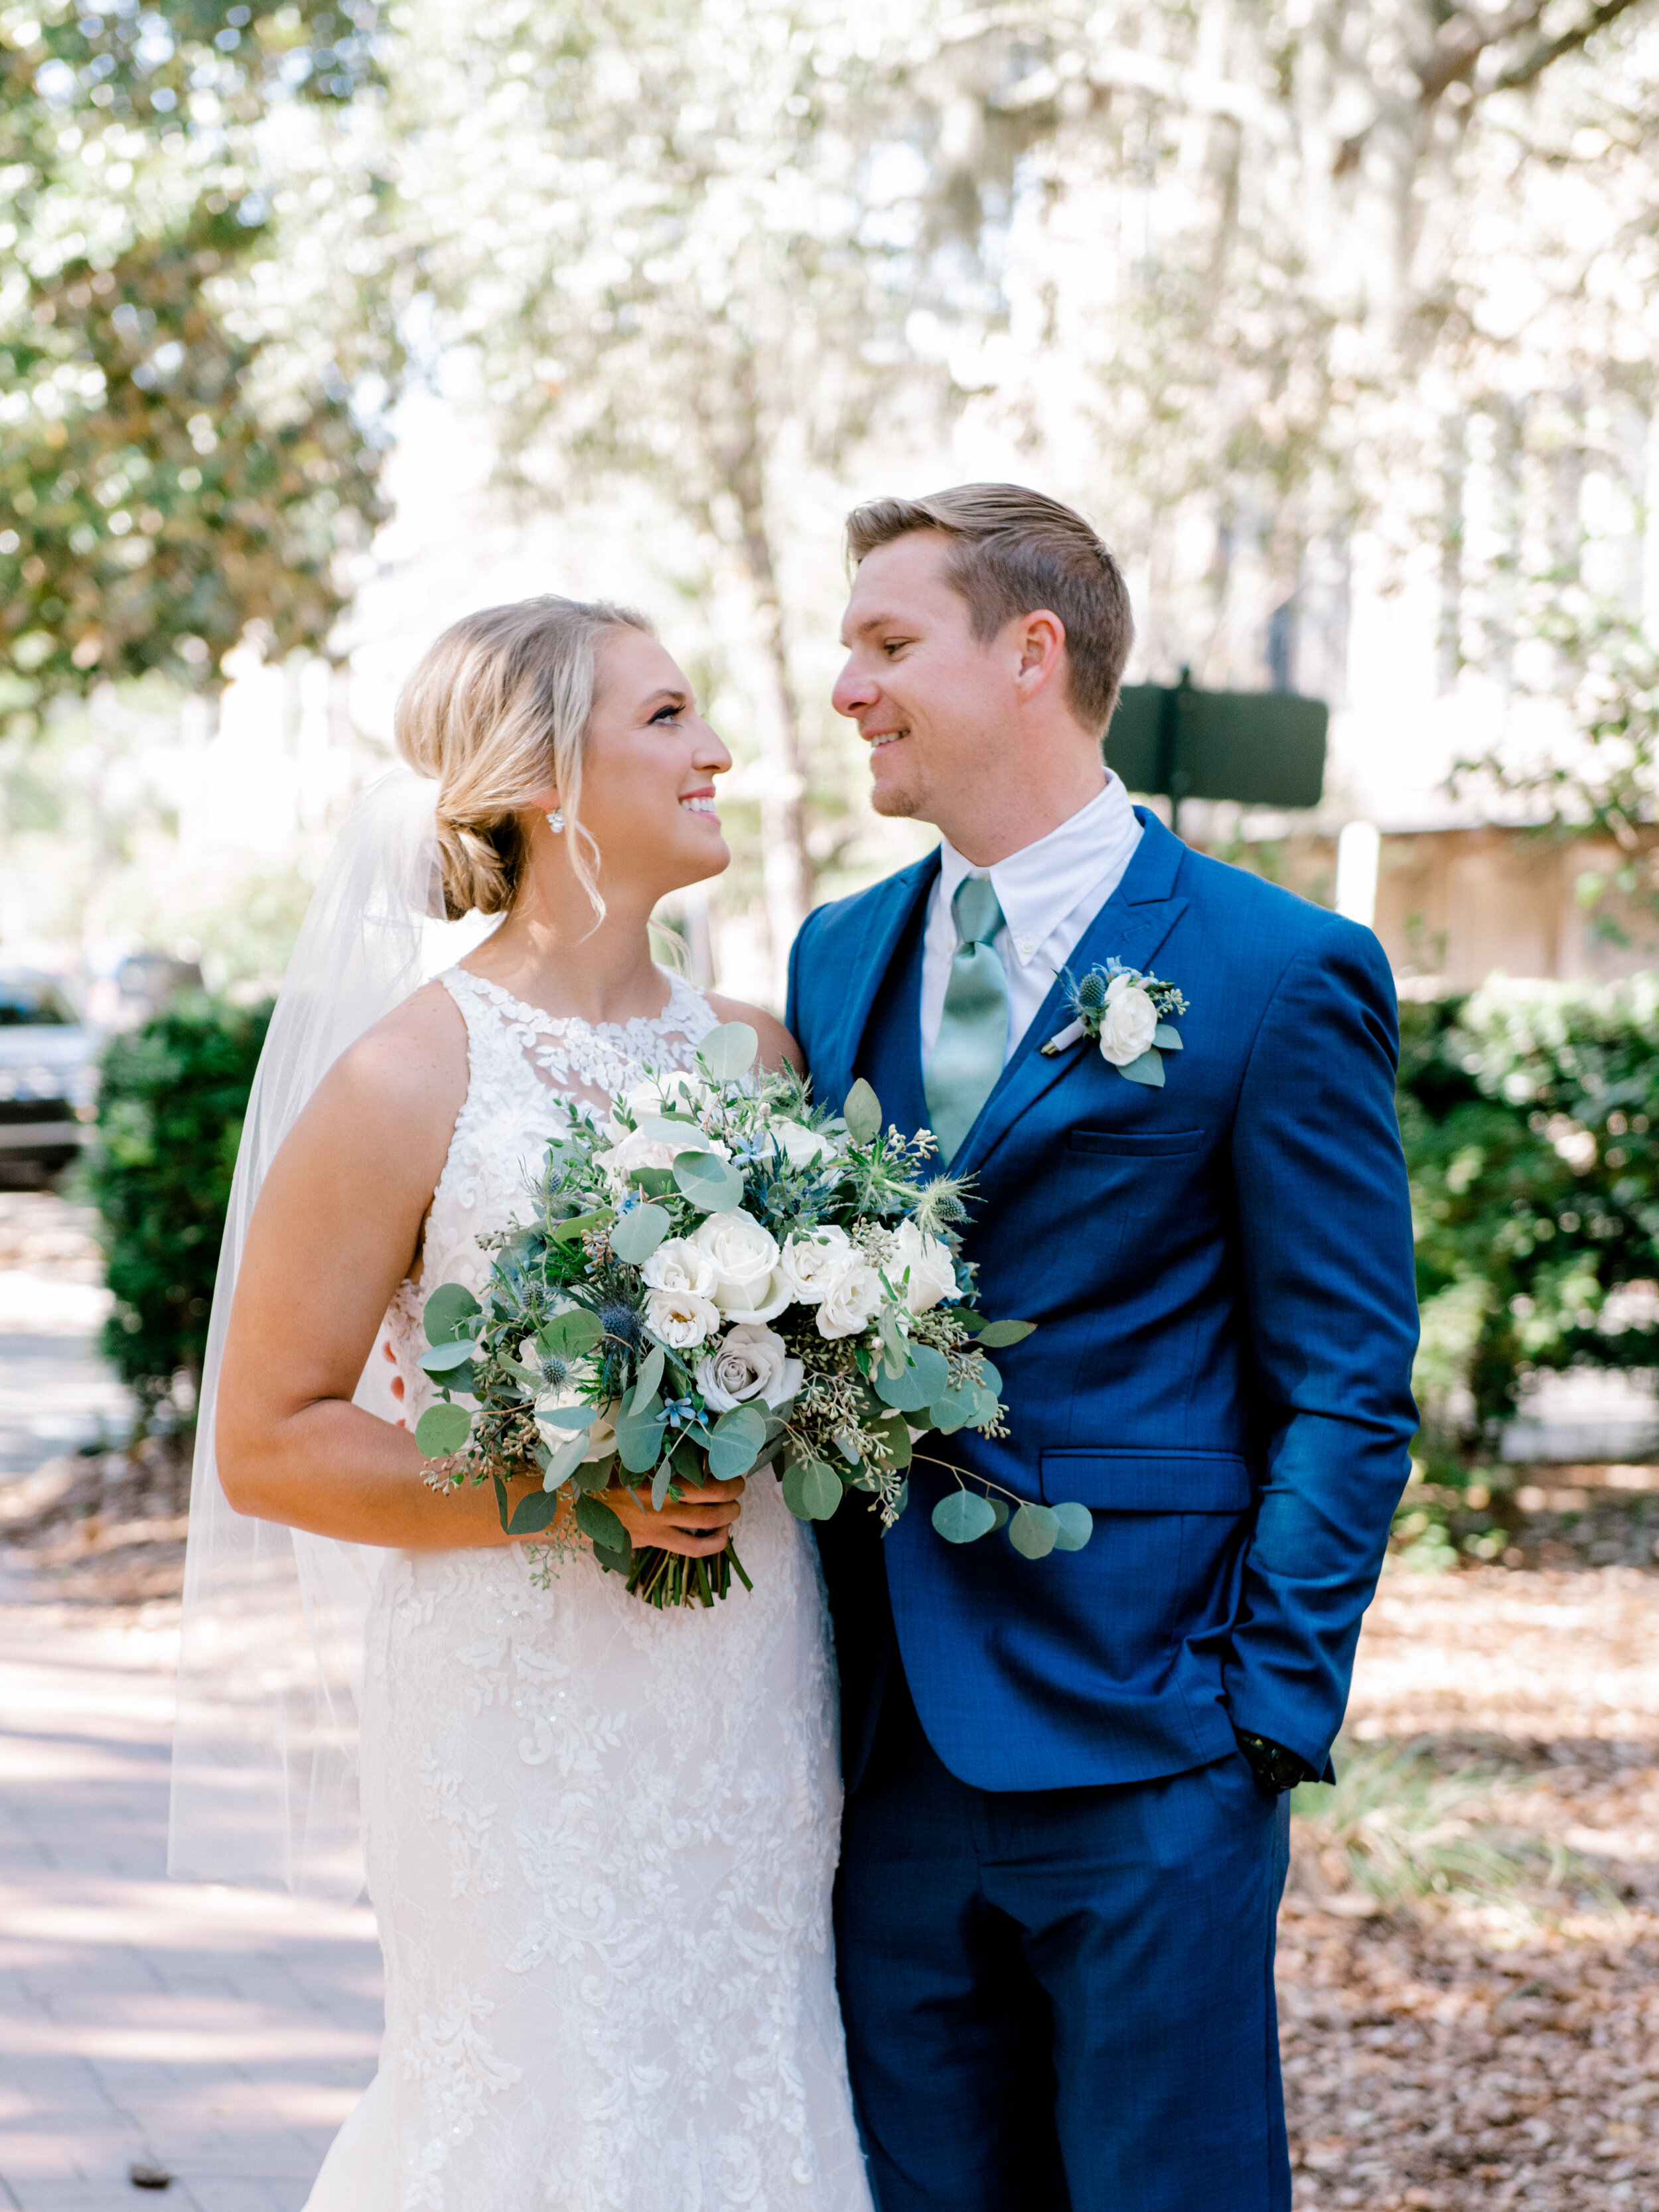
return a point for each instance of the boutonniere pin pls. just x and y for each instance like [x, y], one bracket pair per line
[1128, 1015]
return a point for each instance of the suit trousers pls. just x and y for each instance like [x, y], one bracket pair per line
[1061, 2000]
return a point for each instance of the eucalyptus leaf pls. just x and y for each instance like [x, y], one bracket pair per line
[445, 1358]
[441, 1316]
[812, 1491]
[1167, 1039]
[568, 1335]
[442, 1429]
[655, 1183]
[613, 1561]
[729, 1457]
[963, 1516]
[593, 1473]
[638, 1233]
[649, 1376]
[563, 1463]
[1077, 1525]
[659, 1483]
[712, 1184]
[895, 1432]
[597, 1522]
[639, 1437]
[926, 1375]
[862, 1113]
[1034, 1531]
[960, 1407]
[729, 1051]
[533, 1514]
[1148, 1069]
[570, 1417]
[996, 1333]
[572, 1231]
[1000, 1507]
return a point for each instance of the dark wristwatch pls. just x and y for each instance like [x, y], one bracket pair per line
[1279, 1769]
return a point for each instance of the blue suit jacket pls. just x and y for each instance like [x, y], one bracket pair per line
[1221, 1274]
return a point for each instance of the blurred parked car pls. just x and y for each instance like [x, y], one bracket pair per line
[139, 986]
[48, 1072]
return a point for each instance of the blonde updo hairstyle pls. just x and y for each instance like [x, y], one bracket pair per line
[497, 711]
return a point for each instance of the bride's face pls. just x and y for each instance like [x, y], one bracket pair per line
[648, 770]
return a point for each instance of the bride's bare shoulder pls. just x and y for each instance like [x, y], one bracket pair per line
[776, 1045]
[412, 1064]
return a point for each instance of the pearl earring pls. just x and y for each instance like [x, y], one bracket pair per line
[556, 820]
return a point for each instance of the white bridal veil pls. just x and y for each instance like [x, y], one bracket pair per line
[264, 1785]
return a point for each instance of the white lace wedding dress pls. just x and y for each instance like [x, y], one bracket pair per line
[600, 1839]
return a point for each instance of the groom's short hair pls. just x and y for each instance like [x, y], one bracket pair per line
[1017, 552]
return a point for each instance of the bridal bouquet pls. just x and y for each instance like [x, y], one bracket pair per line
[718, 1278]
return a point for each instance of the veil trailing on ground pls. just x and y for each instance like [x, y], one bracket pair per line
[264, 1786]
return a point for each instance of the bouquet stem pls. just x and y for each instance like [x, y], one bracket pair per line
[665, 1579]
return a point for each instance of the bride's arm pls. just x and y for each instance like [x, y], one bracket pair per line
[776, 1045]
[336, 1230]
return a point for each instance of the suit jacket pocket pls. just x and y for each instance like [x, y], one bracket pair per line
[1125, 1480]
[1136, 1143]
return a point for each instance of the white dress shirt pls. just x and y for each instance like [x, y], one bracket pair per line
[1049, 892]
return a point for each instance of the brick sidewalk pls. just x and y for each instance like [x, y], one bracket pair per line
[221, 2034]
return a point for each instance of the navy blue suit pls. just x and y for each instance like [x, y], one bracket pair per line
[1059, 1877]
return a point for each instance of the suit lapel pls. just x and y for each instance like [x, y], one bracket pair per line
[891, 905]
[1131, 926]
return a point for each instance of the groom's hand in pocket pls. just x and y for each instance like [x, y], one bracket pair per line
[699, 1525]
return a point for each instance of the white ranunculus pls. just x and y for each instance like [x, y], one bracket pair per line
[800, 1145]
[678, 1264]
[681, 1317]
[852, 1298]
[927, 1261]
[748, 1285]
[749, 1361]
[809, 1263]
[1128, 1024]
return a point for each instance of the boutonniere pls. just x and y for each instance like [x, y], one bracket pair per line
[1127, 1015]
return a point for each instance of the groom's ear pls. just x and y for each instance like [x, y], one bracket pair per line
[1039, 642]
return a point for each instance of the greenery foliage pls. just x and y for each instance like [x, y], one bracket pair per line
[1530, 1115]
[169, 1120]
[180, 455]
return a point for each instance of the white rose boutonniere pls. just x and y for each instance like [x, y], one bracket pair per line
[1128, 1015]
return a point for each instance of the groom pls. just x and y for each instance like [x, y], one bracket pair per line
[1065, 1825]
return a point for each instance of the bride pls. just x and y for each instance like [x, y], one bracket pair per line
[599, 1839]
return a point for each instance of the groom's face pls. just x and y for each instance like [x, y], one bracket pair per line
[931, 701]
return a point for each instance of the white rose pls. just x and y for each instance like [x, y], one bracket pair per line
[809, 1263]
[800, 1145]
[678, 1091]
[852, 1298]
[932, 1276]
[680, 1317]
[749, 1361]
[633, 1149]
[602, 1437]
[1129, 1022]
[678, 1265]
[744, 1257]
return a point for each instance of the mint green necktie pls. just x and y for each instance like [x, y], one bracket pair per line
[973, 1035]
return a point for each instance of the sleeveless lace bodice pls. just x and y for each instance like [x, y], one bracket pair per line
[600, 1839]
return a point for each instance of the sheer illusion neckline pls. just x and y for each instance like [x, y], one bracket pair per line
[671, 1015]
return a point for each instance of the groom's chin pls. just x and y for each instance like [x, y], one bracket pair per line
[893, 798]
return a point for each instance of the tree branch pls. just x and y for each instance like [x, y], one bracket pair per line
[1464, 38]
[1547, 50]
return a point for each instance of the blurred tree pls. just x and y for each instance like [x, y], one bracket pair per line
[668, 229]
[1314, 260]
[180, 457]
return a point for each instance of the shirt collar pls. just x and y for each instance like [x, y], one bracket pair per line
[1042, 883]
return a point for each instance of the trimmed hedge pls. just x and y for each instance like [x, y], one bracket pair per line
[170, 1108]
[1530, 1116]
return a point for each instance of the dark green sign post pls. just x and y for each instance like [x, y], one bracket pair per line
[1262, 748]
